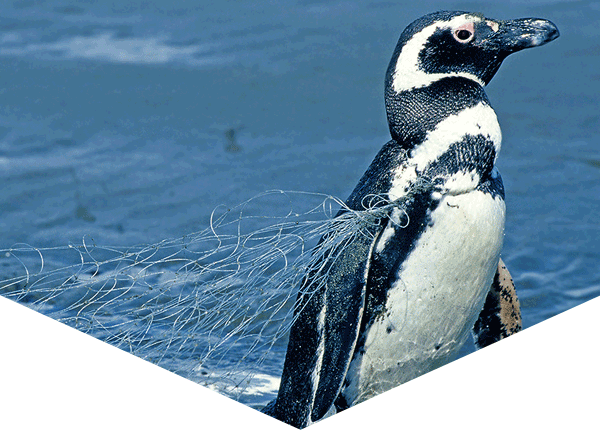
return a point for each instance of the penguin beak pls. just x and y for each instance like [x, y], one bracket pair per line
[514, 35]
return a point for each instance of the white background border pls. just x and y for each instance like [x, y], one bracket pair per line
[52, 376]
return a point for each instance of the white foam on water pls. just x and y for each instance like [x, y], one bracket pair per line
[107, 47]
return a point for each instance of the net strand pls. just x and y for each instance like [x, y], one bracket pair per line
[214, 306]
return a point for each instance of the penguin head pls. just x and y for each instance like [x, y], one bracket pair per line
[446, 44]
[442, 62]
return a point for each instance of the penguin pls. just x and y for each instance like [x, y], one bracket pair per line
[402, 299]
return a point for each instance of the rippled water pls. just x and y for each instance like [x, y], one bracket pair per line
[130, 123]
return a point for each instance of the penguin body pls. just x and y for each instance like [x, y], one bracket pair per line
[401, 299]
[426, 319]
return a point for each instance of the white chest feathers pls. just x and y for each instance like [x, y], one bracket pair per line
[436, 297]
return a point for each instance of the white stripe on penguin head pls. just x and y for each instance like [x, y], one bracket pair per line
[408, 75]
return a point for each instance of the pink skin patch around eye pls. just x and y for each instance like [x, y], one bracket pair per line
[470, 27]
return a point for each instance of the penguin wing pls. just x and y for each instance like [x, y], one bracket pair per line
[501, 314]
[324, 334]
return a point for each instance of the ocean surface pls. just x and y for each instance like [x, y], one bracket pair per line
[129, 122]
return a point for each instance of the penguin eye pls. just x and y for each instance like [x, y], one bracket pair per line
[464, 33]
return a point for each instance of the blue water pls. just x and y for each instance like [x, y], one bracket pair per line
[129, 123]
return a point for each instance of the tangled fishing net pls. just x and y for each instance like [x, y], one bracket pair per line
[213, 306]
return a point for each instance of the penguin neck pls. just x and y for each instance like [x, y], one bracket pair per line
[411, 114]
[445, 129]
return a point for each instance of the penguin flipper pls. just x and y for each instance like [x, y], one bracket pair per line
[323, 337]
[346, 295]
[501, 314]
